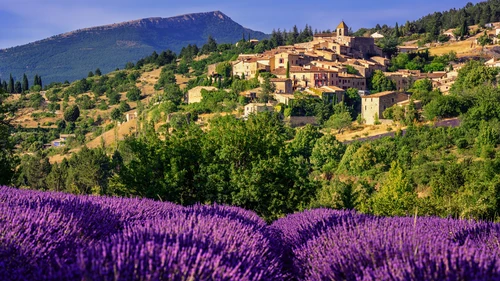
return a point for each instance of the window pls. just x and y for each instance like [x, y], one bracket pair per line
[392, 99]
[282, 61]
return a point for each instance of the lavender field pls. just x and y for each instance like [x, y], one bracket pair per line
[56, 236]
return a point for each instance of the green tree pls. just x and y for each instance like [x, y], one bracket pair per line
[72, 113]
[326, 154]
[10, 87]
[335, 194]
[341, 119]
[396, 196]
[380, 83]
[304, 141]
[25, 86]
[397, 34]
[472, 75]
[18, 88]
[98, 72]
[89, 171]
[7, 157]
[484, 40]
[224, 69]
[33, 172]
[363, 159]
[133, 94]
[124, 106]
[116, 114]
[267, 89]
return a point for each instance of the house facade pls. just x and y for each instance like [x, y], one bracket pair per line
[372, 106]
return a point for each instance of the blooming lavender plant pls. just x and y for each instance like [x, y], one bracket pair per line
[56, 236]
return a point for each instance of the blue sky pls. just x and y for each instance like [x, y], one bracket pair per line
[24, 21]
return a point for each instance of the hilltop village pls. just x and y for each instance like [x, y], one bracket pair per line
[325, 68]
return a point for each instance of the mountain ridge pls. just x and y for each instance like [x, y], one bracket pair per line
[71, 55]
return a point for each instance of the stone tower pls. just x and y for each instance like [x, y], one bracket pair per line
[342, 29]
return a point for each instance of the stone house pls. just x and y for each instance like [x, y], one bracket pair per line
[404, 78]
[284, 98]
[249, 67]
[281, 60]
[329, 94]
[283, 85]
[256, 108]
[131, 116]
[407, 49]
[376, 104]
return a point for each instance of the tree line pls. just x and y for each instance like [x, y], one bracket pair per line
[13, 86]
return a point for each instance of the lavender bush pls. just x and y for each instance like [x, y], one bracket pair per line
[56, 236]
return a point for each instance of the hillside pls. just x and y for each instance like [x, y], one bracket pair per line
[72, 55]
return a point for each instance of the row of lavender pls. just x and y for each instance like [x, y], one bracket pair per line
[55, 236]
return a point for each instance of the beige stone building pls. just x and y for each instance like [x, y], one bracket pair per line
[295, 58]
[404, 78]
[194, 95]
[257, 107]
[249, 67]
[308, 76]
[376, 104]
[283, 85]
[329, 94]
[284, 98]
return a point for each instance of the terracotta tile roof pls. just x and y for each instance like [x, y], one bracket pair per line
[325, 35]
[381, 94]
[333, 88]
[279, 79]
[435, 75]
[346, 75]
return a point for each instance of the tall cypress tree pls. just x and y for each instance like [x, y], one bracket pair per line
[18, 88]
[4, 86]
[10, 87]
[35, 80]
[25, 83]
[397, 34]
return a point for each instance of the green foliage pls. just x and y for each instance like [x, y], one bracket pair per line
[134, 94]
[396, 196]
[124, 107]
[267, 89]
[326, 154]
[473, 74]
[116, 114]
[85, 102]
[443, 107]
[224, 69]
[484, 40]
[72, 113]
[380, 83]
[341, 119]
